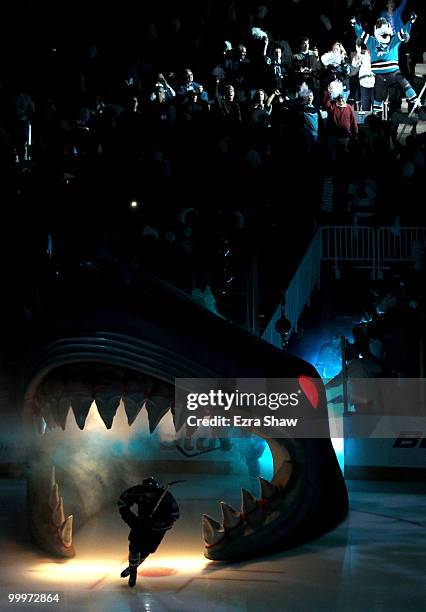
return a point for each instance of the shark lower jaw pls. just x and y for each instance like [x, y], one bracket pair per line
[302, 501]
[70, 478]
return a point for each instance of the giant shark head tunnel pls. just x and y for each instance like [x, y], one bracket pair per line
[98, 390]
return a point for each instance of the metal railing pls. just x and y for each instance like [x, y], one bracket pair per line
[362, 246]
[299, 291]
[354, 244]
[398, 245]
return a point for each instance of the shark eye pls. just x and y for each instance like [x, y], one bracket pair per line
[309, 388]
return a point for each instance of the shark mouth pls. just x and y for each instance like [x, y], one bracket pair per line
[113, 364]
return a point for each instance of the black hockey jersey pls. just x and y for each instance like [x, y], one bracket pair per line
[146, 498]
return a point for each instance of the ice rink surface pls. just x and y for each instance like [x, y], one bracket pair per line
[374, 561]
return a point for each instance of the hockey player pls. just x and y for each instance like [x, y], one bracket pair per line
[157, 512]
[384, 51]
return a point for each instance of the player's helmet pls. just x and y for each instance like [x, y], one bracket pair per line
[151, 483]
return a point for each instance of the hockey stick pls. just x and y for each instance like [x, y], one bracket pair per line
[169, 484]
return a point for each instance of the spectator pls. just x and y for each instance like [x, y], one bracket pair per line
[337, 66]
[24, 109]
[287, 54]
[393, 14]
[262, 107]
[220, 70]
[205, 148]
[276, 72]
[237, 70]
[362, 195]
[341, 124]
[227, 108]
[85, 134]
[169, 92]
[190, 85]
[162, 111]
[131, 129]
[259, 43]
[312, 123]
[307, 66]
[193, 106]
[361, 62]
[133, 80]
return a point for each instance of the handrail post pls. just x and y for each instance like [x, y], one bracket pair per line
[344, 376]
[336, 271]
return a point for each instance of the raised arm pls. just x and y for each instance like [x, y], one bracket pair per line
[359, 30]
[405, 32]
[265, 45]
[401, 7]
[367, 39]
[217, 95]
[271, 97]
[357, 59]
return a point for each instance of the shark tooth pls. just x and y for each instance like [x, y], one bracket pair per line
[133, 403]
[58, 516]
[40, 424]
[80, 404]
[61, 411]
[52, 477]
[179, 414]
[107, 406]
[54, 496]
[230, 517]
[156, 408]
[267, 489]
[48, 413]
[248, 502]
[137, 389]
[66, 532]
[212, 531]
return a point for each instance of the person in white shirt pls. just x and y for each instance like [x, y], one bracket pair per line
[362, 63]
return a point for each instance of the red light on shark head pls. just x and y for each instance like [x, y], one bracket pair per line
[309, 388]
